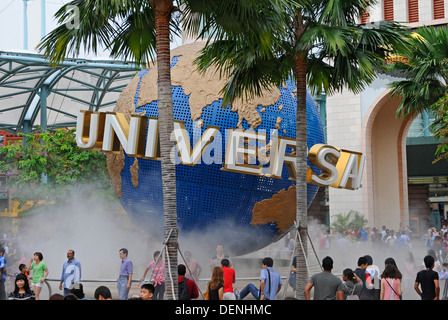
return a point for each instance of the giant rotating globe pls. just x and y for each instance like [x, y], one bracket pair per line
[244, 212]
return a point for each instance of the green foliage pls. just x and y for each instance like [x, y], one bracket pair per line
[440, 127]
[424, 64]
[49, 166]
[339, 52]
[353, 220]
[125, 27]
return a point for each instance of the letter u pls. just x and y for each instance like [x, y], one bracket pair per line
[87, 128]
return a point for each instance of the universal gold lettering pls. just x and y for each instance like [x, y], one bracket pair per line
[109, 132]
[325, 158]
[186, 154]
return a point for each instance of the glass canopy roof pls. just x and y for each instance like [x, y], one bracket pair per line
[33, 93]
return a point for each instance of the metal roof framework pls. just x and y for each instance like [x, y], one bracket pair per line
[33, 93]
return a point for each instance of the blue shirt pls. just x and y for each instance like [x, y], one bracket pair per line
[2, 265]
[126, 268]
[270, 288]
[363, 235]
[71, 273]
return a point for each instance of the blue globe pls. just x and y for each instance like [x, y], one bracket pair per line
[213, 205]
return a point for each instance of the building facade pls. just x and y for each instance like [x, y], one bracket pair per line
[400, 184]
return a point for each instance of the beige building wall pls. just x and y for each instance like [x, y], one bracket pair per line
[400, 10]
[344, 131]
[366, 122]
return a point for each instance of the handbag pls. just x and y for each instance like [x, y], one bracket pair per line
[352, 296]
[206, 295]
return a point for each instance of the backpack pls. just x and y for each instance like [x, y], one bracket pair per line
[182, 291]
[352, 296]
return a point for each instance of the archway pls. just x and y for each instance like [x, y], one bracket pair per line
[385, 177]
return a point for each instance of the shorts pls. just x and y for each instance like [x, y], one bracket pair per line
[229, 296]
[37, 284]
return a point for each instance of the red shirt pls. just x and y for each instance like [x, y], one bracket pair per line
[229, 278]
[192, 288]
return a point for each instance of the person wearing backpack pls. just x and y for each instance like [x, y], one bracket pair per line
[352, 285]
[187, 288]
[366, 293]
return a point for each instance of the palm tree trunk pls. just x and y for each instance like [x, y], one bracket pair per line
[301, 167]
[163, 9]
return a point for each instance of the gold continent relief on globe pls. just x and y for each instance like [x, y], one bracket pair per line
[203, 89]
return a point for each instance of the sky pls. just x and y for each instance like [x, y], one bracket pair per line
[12, 24]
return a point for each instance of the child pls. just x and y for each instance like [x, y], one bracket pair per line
[23, 269]
[146, 291]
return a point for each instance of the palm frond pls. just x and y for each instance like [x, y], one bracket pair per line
[424, 65]
[125, 27]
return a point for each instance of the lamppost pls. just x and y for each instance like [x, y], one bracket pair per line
[25, 24]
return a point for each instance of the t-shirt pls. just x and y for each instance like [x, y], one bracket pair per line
[191, 286]
[229, 277]
[363, 235]
[375, 274]
[214, 294]
[71, 273]
[426, 279]
[326, 285]
[38, 271]
[3, 265]
[366, 293]
[270, 287]
[216, 262]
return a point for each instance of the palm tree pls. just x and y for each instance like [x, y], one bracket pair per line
[140, 30]
[144, 32]
[440, 127]
[424, 65]
[321, 45]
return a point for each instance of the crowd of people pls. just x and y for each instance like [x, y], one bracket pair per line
[423, 276]
[359, 283]
[366, 281]
[385, 237]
